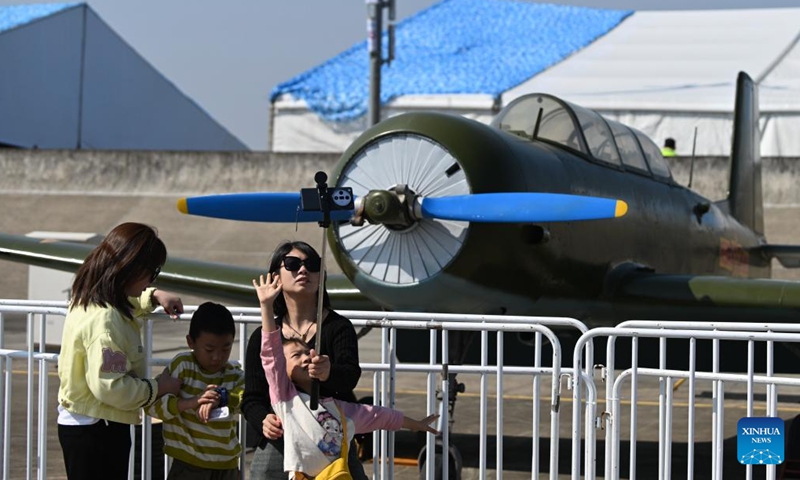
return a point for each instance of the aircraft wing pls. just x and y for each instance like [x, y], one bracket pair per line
[213, 281]
[232, 284]
[699, 290]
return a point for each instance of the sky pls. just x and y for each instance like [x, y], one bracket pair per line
[228, 56]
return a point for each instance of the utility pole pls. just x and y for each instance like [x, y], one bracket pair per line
[374, 37]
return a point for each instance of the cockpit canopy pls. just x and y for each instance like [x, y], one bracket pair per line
[582, 130]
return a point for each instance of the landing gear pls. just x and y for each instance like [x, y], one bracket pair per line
[460, 342]
[454, 462]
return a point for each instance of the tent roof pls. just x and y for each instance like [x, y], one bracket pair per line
[12, 16]
[682, 61]
[444, 50]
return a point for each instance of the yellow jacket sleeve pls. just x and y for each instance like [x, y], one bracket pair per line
[111, 379]
[144, 303]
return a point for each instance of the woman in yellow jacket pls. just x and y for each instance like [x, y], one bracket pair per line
[101, 366]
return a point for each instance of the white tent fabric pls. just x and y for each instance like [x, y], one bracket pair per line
[668, 72]
[662, 72]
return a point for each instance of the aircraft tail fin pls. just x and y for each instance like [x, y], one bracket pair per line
[745, 199]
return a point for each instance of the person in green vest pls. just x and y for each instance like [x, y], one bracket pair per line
[668, 150]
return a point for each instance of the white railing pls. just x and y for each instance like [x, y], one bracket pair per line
[384, 376]
[691, 332]
[585, 417]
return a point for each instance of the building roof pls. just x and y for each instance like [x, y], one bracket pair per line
[455, 47]
[70, 81]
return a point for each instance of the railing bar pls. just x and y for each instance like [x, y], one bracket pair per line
[29, 404]
[43, 395]
[690, 421]
[634, 409]
[499, 409]
[750, 374]
[536, 413]
[482, 446]
[445, 408]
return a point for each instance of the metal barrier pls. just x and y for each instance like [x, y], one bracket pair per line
[691, 331]
[585, 418]
[384, 376]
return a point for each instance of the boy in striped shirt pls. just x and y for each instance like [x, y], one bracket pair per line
[202, 443]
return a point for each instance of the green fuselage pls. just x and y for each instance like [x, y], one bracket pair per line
[513, 267]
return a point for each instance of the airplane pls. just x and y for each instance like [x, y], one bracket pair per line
[550, 210]
[673, 255]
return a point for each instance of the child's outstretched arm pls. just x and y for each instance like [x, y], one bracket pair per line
[423, 425]
[267, 290]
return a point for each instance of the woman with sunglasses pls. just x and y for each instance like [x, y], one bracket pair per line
[101, 366]
[336, 366]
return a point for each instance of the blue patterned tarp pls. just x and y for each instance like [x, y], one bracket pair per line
[456, 46]
[12, 16]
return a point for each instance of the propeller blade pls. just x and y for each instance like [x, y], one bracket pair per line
[255, 207]
[522, 207]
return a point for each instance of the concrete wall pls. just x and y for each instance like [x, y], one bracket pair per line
[143, 173]
[780, 177]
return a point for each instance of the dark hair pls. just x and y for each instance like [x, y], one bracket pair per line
[211, 318]
[279, 305]
[295, 340]
[130, 252]
[670, 143]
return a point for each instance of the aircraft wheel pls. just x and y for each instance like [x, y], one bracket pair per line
[455, 463]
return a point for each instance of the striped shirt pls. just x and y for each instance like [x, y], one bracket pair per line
[212, 445]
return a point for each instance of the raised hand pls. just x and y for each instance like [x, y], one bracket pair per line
[268, 288]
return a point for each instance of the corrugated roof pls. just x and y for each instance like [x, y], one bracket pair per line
[456, 46]
[12, 16]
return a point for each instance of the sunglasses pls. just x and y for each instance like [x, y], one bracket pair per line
[293, 264]
[155, 274]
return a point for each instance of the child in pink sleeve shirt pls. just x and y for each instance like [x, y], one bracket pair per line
[313, 438]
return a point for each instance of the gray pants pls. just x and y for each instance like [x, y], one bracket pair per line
[267, 464]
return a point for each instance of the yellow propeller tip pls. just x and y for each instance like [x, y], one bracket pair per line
[621, 208]
[183, 208]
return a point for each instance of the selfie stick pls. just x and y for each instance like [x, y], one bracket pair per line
[325, 207]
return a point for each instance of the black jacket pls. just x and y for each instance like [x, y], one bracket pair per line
[339, 342]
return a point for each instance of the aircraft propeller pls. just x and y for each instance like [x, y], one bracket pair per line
[399, 207]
